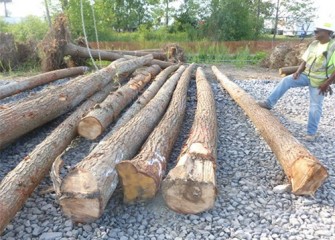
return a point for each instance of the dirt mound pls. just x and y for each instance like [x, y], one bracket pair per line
[8, 52]
[285, 55]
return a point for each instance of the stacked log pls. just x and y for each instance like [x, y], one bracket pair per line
[145, 97]
[87, 188]
[284, 71]
[304, 171]
[96, 121]
[26, 116]
[190, 187]
[19, 183]
[141, 177]
[31, 82]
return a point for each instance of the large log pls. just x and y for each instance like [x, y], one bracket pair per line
[190, 187]
[304, 171]
[86, 190]
[21, 118]
[96, 121]
[19, 183]
[284, 71]
[141, 177]
[144, 98]
[31, 82]
[158, 54]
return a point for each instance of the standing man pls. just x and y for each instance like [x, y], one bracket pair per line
[317, 71]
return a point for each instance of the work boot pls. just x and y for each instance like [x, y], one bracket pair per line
[310, 138]
[263, 104]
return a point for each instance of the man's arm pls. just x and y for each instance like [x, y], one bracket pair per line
[301, 68]
[324, 86]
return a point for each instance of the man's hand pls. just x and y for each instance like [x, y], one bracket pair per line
[325, 89]
[296, 75]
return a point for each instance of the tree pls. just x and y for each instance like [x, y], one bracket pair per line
[5, 6]
[295, 13]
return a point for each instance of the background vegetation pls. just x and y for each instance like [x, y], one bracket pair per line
[158, 21]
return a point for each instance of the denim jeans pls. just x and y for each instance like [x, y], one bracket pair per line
[315, 99]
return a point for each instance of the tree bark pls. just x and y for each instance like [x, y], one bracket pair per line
[284, 71]
[145, 97]
[78, 51]
[190, 187]
[19, 183]
[141, 177]
[19, 119]
[87, 188]
[304, 171]
[31, 82]
[96, 121]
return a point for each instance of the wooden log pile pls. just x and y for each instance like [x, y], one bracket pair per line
[138, 147]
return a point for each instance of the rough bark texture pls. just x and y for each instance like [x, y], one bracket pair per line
[145, 97]
[88, 187]
[31, 82]
[159, 54]
[19, 119]
[284, 71]
[303, 170]
[190, 187]
[141, 177]
[96, 121]
[18, 184]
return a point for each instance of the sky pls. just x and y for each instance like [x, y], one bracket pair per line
[22, 8]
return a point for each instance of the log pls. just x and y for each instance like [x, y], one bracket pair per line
[284, 71]
[19, 183]
[86, 190]
[141, 177]
[159, 54]
[304, 171]
[190, 187]
[145, 97]
[26, 116]
[31, 82]
[95, 122]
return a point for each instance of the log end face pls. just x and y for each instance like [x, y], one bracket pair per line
[136, 185]
[307, 176]
[188, 197]
[90, 128]
[80, 197]
[81, 210]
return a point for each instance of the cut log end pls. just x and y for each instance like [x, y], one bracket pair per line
[80, 198]
[188, 197]
[308, 176]
[137, 186]
[90, 128]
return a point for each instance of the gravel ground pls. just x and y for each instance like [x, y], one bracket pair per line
[248, 206]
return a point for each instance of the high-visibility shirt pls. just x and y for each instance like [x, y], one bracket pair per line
[320, 61]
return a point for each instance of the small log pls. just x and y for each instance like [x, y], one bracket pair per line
[96, 121]
[284, 71]
[159, 55]
[19, 183]
[190, 187]
[31, 82]
[304, 171]
[86, 190]
[21, 118]
[141, 177]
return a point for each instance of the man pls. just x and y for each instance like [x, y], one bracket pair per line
[317, 71]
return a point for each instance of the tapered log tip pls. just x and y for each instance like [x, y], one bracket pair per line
[90, 128]
[307, 176]
[137, 186]
[188, 197]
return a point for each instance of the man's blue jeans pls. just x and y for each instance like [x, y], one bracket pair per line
[315, 99]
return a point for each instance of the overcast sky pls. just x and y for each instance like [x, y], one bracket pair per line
[22, 8]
